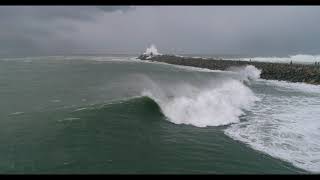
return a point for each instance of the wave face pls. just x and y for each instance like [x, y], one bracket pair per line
[217, 103]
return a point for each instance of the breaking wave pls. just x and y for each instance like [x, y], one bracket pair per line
[217, 103]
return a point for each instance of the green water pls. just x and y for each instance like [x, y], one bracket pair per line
[86, 116]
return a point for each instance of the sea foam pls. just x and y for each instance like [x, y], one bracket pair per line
[284, 127]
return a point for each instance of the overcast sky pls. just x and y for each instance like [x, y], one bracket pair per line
[251, 30]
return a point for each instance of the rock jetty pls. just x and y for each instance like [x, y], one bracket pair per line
[307, 73]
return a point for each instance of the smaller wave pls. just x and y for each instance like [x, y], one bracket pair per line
[17, 113]
[80, 109]
[69, 119]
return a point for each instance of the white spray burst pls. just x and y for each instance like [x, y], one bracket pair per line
[152, 51]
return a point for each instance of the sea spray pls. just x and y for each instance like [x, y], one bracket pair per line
[246, 73]
[152, 50]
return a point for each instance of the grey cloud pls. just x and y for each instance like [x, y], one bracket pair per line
[116, 8]
[264, 31]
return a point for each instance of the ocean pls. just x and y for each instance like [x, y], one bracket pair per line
[120, 115]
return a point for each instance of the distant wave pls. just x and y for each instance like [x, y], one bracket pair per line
[299, 58]
[64, 58]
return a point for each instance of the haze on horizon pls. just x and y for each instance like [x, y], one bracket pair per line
[248, 30]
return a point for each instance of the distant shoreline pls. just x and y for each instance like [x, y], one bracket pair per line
[307, 73]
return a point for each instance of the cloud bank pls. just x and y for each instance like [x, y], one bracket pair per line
[250, 30]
